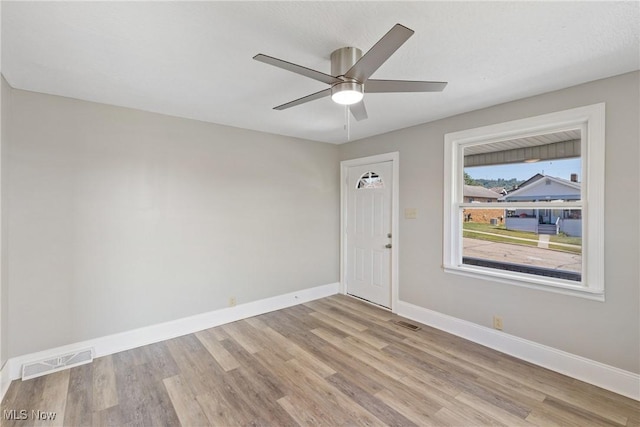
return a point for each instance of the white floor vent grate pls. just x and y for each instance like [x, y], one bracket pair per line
[55, 364]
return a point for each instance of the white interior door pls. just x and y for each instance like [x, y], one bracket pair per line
[368, 232]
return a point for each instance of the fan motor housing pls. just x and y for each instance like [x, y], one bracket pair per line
[343, 59]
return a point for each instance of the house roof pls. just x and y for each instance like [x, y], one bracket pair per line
[194, 59]
[531, 180]
[479, 191]
[537, 182]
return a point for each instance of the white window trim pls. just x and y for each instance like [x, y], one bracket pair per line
[591, 120]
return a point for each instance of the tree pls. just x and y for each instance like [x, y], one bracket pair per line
[468, 180]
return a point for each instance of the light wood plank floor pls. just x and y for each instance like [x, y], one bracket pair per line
[335, 361]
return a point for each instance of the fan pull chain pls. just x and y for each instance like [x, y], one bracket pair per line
[346, 118]
[347, 122]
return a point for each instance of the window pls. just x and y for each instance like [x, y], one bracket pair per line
[370, 180]
[547, 228]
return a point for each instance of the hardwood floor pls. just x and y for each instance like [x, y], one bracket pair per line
[335, 361]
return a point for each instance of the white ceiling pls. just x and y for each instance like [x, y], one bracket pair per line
[194, 59]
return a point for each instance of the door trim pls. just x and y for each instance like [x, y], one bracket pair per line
[394, 158]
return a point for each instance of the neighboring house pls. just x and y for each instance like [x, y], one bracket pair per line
[545, 221]
[500, 190]
[478, 193]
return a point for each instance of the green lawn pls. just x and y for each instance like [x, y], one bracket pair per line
[470, 227]
[498, 229]
[499, 239]
[566, 249]
[561, 238]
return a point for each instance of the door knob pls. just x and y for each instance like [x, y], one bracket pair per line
[388, 246]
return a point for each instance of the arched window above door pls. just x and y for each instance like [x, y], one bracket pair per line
[370, 180]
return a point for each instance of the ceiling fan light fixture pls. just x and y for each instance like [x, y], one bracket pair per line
[347, 93]
[350, 72]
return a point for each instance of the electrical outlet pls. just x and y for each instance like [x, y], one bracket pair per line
[497, 323]
[232, 301]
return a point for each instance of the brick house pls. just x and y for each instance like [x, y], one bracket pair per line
[477, 193]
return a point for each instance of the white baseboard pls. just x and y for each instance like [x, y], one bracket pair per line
[608, 377]
[163, 331]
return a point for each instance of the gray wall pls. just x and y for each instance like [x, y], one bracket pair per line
[120, 219]
[608, 332]
[5, 102]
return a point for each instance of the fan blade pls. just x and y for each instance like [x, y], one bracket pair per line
[298, 69]
[304, 99]
[379, 53]
[358, 111]
[379, 86]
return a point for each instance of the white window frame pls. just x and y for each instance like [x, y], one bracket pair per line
[591, 120]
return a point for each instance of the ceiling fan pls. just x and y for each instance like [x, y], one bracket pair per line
[350, 72]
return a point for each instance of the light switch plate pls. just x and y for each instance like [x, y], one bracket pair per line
[410, 213]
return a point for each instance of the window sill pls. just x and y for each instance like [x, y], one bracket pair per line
[558, 286]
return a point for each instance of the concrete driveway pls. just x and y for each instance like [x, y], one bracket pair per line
[521, 254]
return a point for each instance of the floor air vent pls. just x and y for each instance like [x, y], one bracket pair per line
[55, 364]
[406, 325]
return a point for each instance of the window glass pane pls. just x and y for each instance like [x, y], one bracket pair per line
[542, 242]
[539, 241]
[370, 180]
[538, 168]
